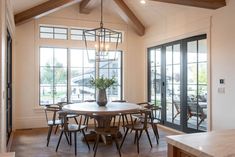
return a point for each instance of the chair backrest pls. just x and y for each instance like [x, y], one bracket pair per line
[51, 109]
[145, 117]
[64, 119]
[152, 111]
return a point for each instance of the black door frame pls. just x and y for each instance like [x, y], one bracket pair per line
[8, 87]
[183, 73]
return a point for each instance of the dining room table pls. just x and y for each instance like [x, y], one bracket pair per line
[102, 114]
[111, 108]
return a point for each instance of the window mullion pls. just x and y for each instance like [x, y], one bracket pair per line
[69, 75]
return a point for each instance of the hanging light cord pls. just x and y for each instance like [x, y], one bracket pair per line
[101, 21]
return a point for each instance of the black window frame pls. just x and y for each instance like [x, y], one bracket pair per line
[183, 97]
[68, 99]
[53, 32]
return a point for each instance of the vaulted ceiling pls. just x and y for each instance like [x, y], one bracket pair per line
[131, 11]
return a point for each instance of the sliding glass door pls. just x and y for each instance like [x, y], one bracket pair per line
[197, 84]
[155, 75]
[177, 83]
[172, 83]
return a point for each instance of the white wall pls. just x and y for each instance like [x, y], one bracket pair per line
[28, 114]
[222, 60]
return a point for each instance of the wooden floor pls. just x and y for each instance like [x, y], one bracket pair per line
[32, 143]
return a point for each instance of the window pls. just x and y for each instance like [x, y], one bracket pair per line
[77, 34]
[53, 32]
[65, 75]
[53, 75]
[113, 69]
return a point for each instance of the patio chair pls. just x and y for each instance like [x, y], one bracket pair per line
[177, 108]
[194, 109]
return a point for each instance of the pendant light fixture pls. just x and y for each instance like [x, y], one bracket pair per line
[106, 40]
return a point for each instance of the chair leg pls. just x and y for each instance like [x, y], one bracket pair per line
[67, 138]
[136, 136]
[85, 122]
[155, 130]
[75, 142]
[85, 139]
[141, 131]
[127, 129]
[59, 141]
[117, 145]
[146, 130]
[138, 149]
[96, 144]
[49, 135]
[70, 138]
[123, 122]
[56, 129]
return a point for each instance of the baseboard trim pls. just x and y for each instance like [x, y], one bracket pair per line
[170, 129]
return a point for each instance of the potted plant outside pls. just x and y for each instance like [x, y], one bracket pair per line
[102, 84]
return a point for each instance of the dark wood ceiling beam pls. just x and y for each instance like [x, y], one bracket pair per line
[86, 6]
[208, 4]
[128, 16]
[42, 9]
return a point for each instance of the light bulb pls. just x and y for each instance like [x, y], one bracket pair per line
[142, 1]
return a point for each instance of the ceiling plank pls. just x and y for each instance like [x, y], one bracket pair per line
[42, 10]
[208, 4]
[128, 16]
[86, 6]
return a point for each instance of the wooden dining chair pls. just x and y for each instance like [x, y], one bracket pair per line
[106, 126]
[152, 119]
[69, 116]
[69, 128]
[138, 127]
[123, 117]
[51, 119]
[86, 119]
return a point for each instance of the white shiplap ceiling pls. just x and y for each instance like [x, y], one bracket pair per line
[149, 13]
[21, 5]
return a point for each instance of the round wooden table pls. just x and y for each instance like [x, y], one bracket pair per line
[102, 115]
[111, 108]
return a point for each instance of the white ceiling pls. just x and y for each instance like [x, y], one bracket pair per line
[21, 5]
[149, 13]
